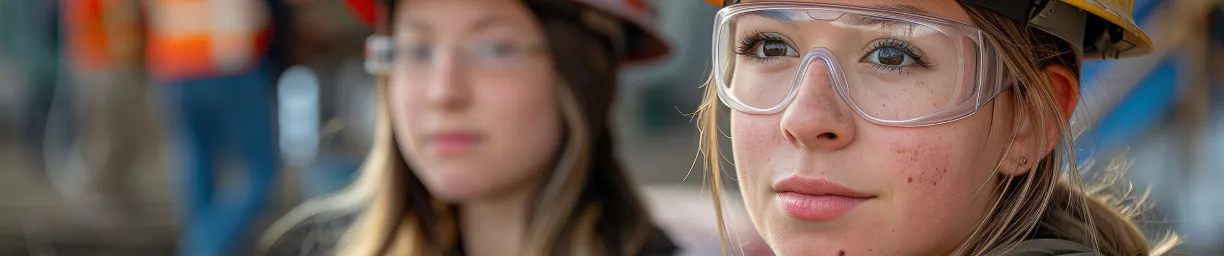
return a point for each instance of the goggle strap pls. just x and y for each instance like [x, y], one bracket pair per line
[1017, 10]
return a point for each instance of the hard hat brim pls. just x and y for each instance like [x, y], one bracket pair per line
[653, 46]
[1131, 32]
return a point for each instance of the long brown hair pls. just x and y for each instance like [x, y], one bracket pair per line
[1049, 201]
[586, 205]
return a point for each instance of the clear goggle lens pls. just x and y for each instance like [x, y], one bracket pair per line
[894, 68]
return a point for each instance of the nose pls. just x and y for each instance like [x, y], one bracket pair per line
[817, 118]
[448, 88]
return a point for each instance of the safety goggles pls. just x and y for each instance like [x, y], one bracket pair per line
[895, 67]
[481, 56]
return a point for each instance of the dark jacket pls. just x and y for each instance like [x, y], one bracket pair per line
[1051, 247]
[320, 233]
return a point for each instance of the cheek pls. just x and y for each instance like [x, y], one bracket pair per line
[524, 124]
[755, 140]
[758, 149]
[936, 173]
[523, 116]
[936, 160]
[921, 158]
[405, 103]
[753, 136]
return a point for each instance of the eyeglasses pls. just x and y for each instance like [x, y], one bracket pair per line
[894, 67]
[492, 56]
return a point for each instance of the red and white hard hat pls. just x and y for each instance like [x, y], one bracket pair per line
[641, 22]
[367, 10]
[637, 16]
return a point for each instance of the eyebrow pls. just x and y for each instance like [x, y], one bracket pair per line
[491, 21]
[906, 8]
[776, 15]
[863, 20]
[483, 23]
[411, 25]
[855, 19]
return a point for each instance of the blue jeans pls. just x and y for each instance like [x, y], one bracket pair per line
[216, 116]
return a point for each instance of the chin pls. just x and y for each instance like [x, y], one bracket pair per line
[451, 196]
[455, 193]
[454, 186]
[815, 247]
[786, 237]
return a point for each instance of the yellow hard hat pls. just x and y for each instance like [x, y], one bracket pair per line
[1134, 41]
[1104, 29]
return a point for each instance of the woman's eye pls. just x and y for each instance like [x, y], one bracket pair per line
[774, 48]
[495, 50]
[891, 57]
[419, 53]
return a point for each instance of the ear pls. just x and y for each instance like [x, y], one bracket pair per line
[1032, 142]
[1066, 89]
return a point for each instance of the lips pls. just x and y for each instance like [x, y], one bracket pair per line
[452, 143]
[817, 199]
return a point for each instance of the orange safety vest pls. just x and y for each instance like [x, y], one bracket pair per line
[203, 38]
[101, 35]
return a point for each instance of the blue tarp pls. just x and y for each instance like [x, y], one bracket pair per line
[1143, 109]
[1140, 110]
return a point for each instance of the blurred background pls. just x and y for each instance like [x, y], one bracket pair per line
[92, 164]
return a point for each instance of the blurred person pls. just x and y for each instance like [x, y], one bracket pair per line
[218, 61]
[30, 32]
[493, 136]
[105, 52]
[915, 127]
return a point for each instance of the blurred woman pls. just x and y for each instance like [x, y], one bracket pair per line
[915, 127]
[492, 136]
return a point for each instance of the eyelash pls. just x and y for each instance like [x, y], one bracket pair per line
[909, 49]
[747, 45]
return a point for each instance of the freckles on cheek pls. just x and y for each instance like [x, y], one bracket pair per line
[923, 163]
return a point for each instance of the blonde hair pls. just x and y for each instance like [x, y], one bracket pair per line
[1043, 203]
